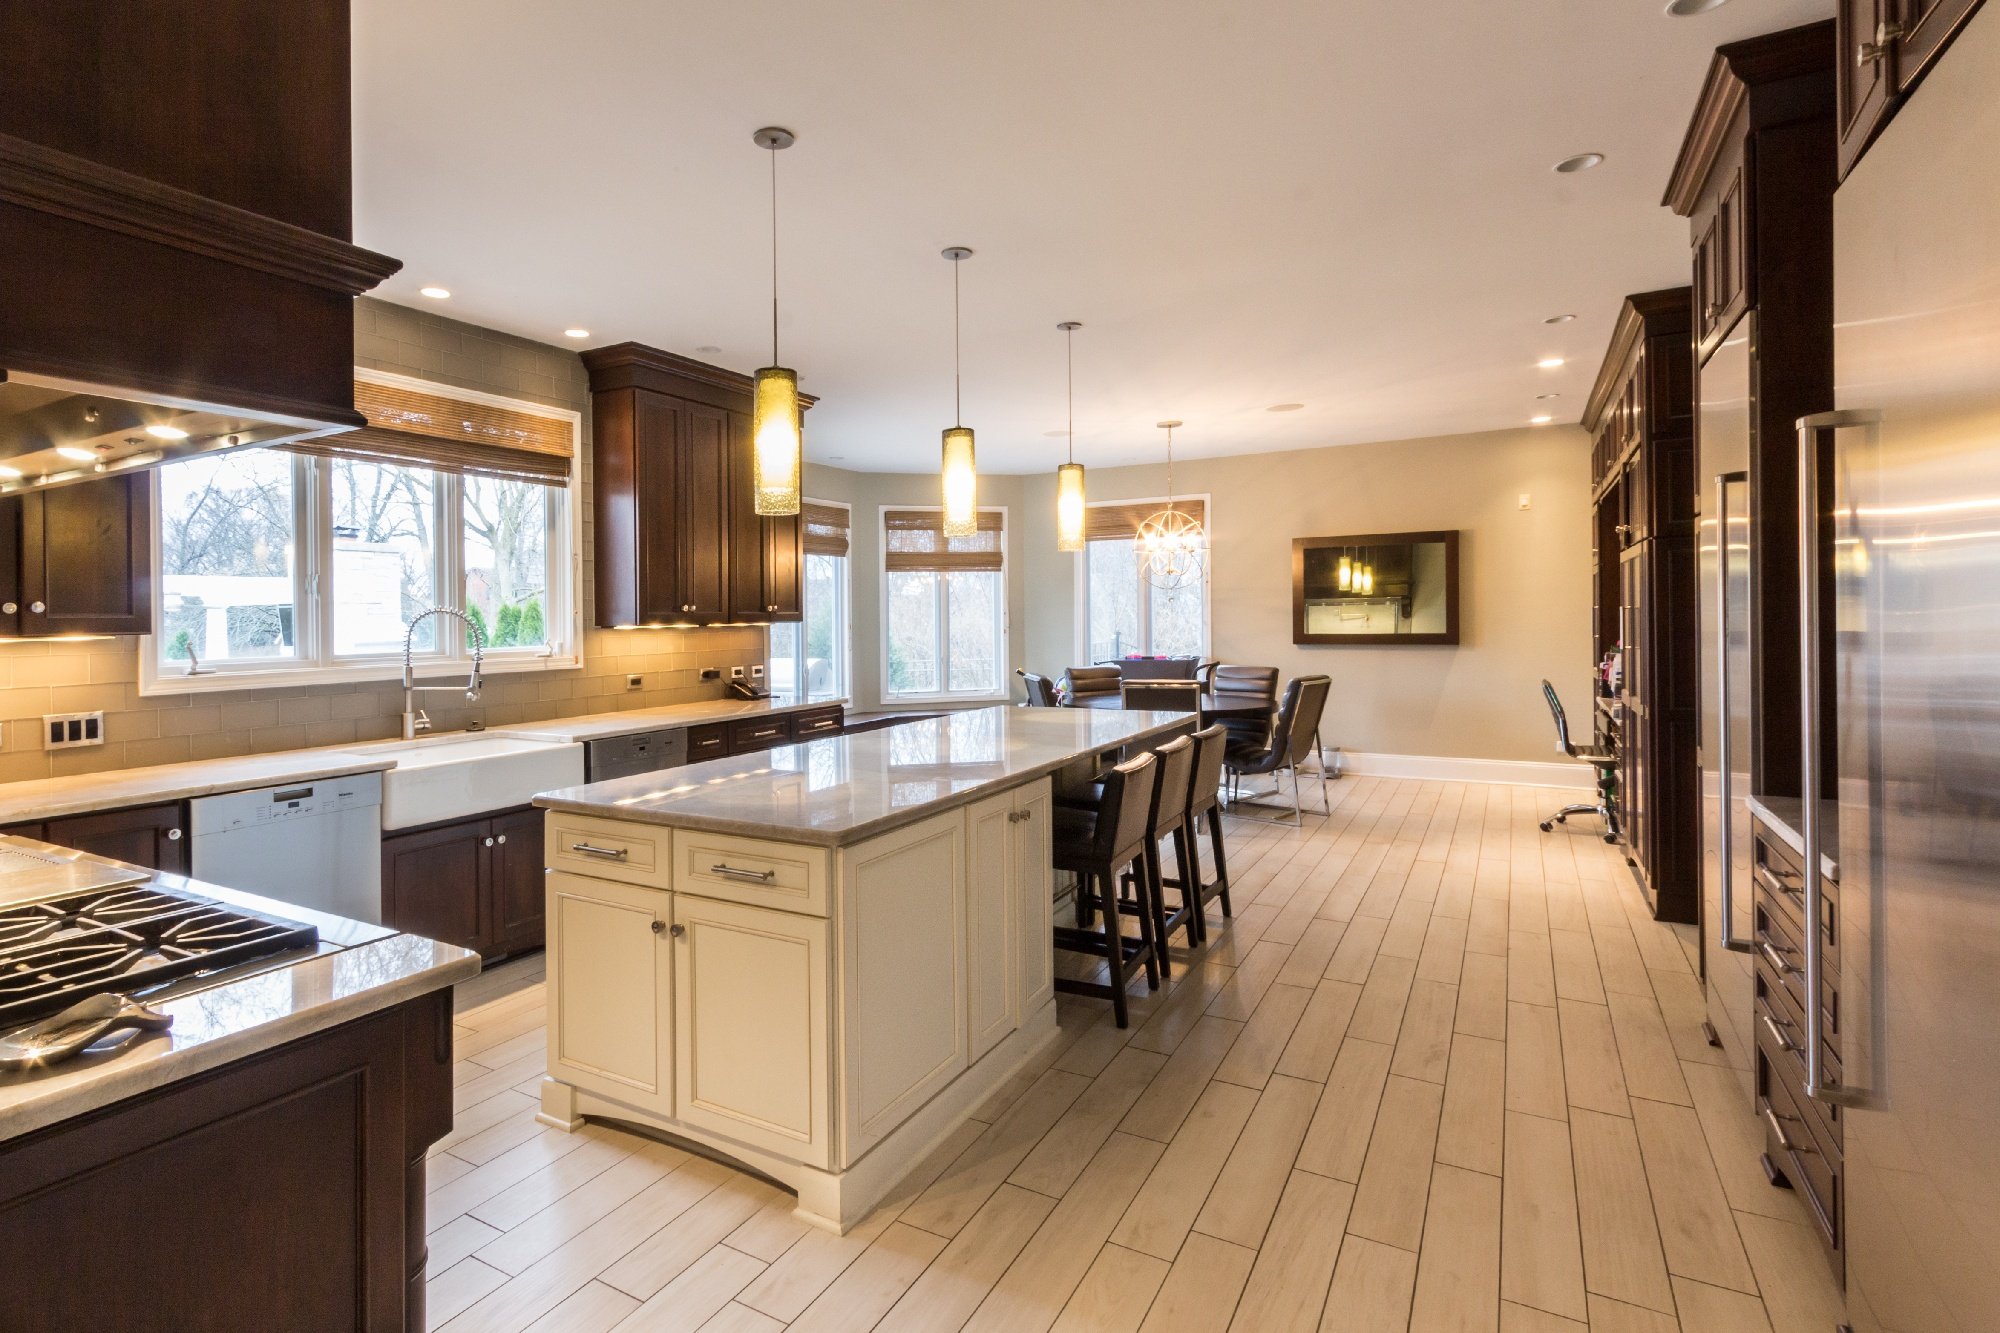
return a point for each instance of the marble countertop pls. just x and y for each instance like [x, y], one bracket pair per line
[1785, 816]
[843, 789]
[52, 798]
[596, 726]
[357, 970]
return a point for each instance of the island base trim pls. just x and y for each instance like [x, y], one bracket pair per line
[834, 1201]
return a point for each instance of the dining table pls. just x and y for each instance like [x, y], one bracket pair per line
[1211, 707]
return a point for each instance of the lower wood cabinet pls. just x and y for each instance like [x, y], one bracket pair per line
[476, 883]
[153, 836]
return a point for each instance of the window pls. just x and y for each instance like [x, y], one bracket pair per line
[1122, 613]
[944, 620]
[316, 558]
[810, 659]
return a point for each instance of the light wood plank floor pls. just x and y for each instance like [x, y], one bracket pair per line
[1441, 1072]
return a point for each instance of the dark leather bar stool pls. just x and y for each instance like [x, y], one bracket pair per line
[1097, 846]
[1169, 823]
[1205, 803]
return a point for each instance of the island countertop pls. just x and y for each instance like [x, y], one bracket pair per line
[843, 789]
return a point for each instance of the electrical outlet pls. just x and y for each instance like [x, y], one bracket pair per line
[757, 671]
[635, 682]
[711, 673]
[736, 673]
[68, 731]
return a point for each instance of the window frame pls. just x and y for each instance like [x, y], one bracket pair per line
[316, 662]
[1002, 691]
[1081, 624]
[844, 632]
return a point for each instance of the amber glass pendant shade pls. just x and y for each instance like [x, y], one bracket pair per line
[1070, 507]
[961, 484]
[777, 440]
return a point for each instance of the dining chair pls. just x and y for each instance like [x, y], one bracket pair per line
[1294, 735]
[1041, 690]
[1166, 696]
[1091, 682]
[1245, 685]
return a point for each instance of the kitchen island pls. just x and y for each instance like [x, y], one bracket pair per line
[817, 960]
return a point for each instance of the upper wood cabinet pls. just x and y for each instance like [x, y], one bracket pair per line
[78, 559]
[1884, 48]
[677, 537]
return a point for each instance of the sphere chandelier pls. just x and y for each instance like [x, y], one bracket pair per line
[1172, 544]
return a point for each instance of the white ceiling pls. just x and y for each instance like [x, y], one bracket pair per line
[1331, 202]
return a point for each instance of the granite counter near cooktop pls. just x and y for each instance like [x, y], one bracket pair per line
[843, 789]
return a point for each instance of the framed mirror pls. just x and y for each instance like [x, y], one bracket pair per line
[1376, 588]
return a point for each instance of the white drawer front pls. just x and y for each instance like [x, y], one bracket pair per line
[751, 871]
[608, 849]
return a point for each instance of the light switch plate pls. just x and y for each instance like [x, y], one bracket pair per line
[70, 731]
[1527, 501]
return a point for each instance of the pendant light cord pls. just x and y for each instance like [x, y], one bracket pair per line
[1170, 469]
[774, 254]
[1069, 356]
[957, 407]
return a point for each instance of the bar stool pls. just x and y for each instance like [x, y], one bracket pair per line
[1169, 821]
[1204, 799]
[1095, 846]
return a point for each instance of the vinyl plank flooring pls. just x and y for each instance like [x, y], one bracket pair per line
[1114, 1294]
[1609, 1316]
[1482, 996]
[1541, 1254]
[1316, 1041]
[1311, 953]
[696, 1294]
[1073, 1142]
[1592, 1074]
[1531, 977]
[1372, 1284]
[1575, 957]
[966, 1184]
[1622, 1256]
[1159, 1219]
[1423, 1047]
[1527, 1319]
[1697, 1229]
[1202, 1288]
[1257, 1051]
[1790, 1270]
[1379, 1014]
[591, 1308]
[1718, 1309]
[1395, 1178]
[1535, 1062]
[1472, 1124]
[1165, 1103]
[1336, 1143]
[1458, 1269]
[1288, 1284]
[959, 1278]
[870, 1286]
[1239, 1208]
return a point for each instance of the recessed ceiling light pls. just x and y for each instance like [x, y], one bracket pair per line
[1544, 397]
[1550, 363]
[76, 455]
[576, 333]
[1559, 319]
[435, 293]
[1540, 421]
[1284, 407]
[1581, 162]
[708, 349]
[1681, 9]
[166, 432]
[1056, 434]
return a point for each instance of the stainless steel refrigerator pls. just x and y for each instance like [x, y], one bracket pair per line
[1914, 504]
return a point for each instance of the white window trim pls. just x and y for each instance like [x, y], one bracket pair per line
[1003, 693]
[844, 681]
[316, 663]
[1080, 621]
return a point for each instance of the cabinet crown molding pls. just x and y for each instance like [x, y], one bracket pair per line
[637, 366]
[1738, 75]
[1644, 315]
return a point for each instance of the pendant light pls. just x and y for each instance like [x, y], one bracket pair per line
[776, 429]
[1071, 509]
[1344, 578]
[959, 473]
[1173, 547]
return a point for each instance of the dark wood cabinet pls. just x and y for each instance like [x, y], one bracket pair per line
[708, 741]
[284, 1190]
[153, 836]
[678, 539]
[813, 723]
[1883, 49]
[751, 734]
[78, 559]
[476, 883]
[1641, 415]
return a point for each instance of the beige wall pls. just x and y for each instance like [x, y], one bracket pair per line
[45, 677]
[1525, 580]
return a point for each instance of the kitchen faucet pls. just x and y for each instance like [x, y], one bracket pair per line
[414, 719]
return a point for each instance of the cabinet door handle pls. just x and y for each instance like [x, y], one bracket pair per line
[1019, 816]
[659, 926]
[173, 835]
[38, 607]
[1887, 32]
[10, 608]
[501, 839]
[736, 872]
[677, 930]
[489, 842]
[608, 853]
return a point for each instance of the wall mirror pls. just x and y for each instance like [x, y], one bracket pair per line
[1380, 587]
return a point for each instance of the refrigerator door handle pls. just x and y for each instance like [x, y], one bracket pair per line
[1810, 428]
[1724, 838]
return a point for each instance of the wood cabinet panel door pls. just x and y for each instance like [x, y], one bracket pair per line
[992, 925]
[784, 567]
[750, 1019]
[1926, 26]
[431, 882]
[1864, 74]
[87, 558]
[703, 538]
[152, 836]
[903, 975]
[609, 1022]
[1035, 889]
[514, 875]
[658, 424]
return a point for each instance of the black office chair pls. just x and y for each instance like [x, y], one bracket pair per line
[1603, 761]
[1041, 690]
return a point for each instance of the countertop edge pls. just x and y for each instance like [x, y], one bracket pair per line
[325, 766]
[1790, 836]
[60, 1096]
[665, 717]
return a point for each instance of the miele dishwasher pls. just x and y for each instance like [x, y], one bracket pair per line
[317, 844]
[640, 752]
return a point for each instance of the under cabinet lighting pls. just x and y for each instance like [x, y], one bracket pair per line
[163, 432]
[76, 455]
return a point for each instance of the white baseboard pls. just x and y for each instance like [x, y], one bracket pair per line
[1444, 768]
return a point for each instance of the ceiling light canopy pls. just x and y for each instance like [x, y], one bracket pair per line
[1581, 162]
[1172, 544]
[777, 429]
[958, 470]
[1071, 503]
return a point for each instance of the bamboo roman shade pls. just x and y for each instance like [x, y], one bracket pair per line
[825, 528]
[1110, 522]
[913, 539]
[427, 427]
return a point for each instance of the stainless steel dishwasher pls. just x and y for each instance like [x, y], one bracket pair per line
[639, 752]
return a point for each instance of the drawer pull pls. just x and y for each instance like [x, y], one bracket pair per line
[608, 853]
[1784, 1139]
[1784, 1042]
[1772, 957]
[1774, 882]
[737, 872]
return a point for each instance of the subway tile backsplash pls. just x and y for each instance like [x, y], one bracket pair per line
[71, 677]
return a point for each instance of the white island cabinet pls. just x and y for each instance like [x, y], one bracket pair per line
[814, 961]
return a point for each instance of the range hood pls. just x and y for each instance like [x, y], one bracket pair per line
[56, 432]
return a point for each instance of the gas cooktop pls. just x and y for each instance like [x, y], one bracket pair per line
[129, 940]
